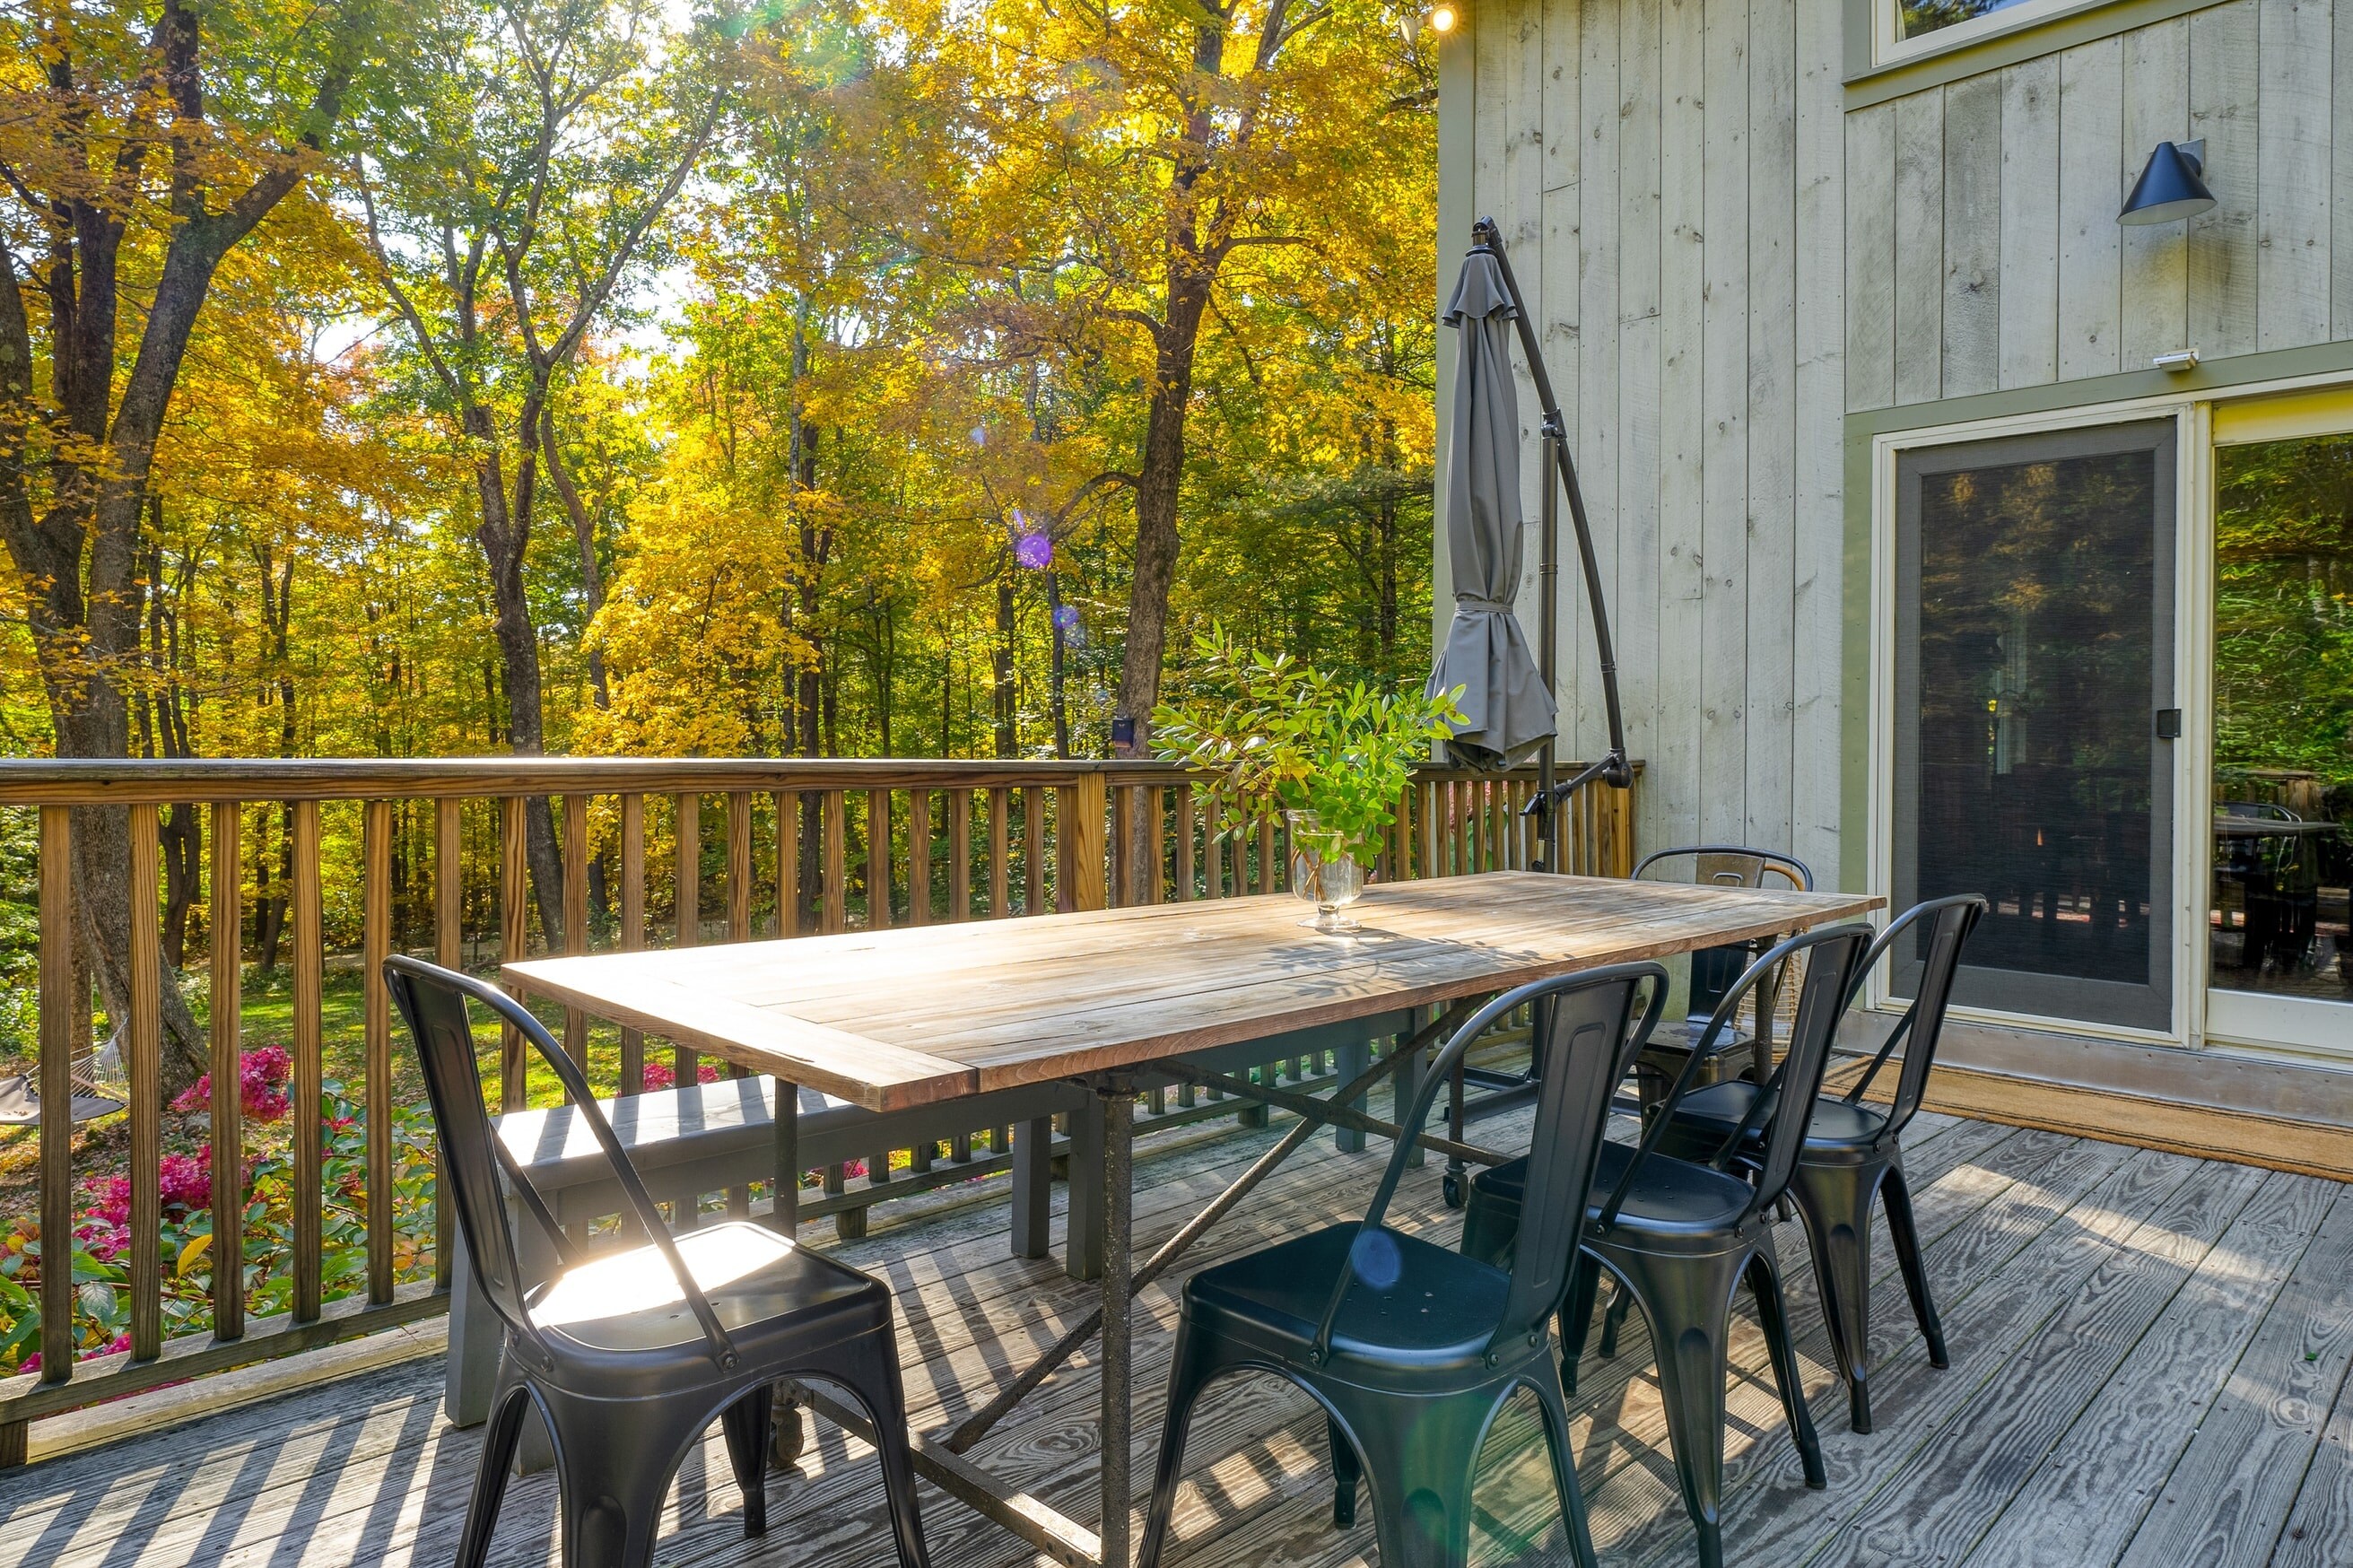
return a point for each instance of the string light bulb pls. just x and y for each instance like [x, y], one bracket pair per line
[1441, 19]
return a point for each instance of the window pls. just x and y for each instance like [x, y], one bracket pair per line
[1903, 29]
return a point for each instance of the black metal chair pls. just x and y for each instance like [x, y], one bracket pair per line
[1410, 1347]
[631, 1355]
[1851, 1157]
[1680, 1238]
[1715, 969]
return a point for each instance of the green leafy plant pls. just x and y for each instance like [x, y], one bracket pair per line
[1279, 736]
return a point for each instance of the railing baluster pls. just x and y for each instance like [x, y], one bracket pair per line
[1000, 851]
[1184, 844]
[686, 882]
[449, 951]
[1155, 812]
[56, 1001]
[376, 943]
[309, 976]
[788, 865]
[959, 854]
[919, 857]
[632, 934]
[878, 859]
[836, 863]
[1033, 849]
[146, 1072]
[575, 913]
[1125, 871]
[1266, 857]
[739, 867]
[225, 918]
[514, 918]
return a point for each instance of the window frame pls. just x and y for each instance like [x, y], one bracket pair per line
[1889, 46]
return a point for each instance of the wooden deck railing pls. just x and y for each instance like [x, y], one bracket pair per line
[433, 857]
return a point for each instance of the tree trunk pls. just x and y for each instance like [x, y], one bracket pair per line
[505, 537]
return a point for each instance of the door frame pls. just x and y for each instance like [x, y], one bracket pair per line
[2190, 476]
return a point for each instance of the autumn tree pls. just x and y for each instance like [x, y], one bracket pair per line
[142, 145]
[512, 179]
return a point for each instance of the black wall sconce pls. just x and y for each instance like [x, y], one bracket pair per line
[2172, 187]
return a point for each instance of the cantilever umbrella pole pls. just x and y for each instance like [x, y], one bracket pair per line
[1613, 768]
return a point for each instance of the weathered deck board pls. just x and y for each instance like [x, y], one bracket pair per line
[2132, 1333]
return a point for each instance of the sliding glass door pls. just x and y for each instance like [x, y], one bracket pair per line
[2032, 713]
[2279, 954]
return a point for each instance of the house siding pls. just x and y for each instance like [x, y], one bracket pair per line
[1661, 171]
[1727, 263]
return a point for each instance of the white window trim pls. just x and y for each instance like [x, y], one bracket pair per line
[1889, 46]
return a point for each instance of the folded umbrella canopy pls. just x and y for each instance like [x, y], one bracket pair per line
[1507, 700]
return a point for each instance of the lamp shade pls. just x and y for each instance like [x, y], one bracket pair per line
[2171, 187]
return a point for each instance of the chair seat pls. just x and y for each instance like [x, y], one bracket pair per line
[630, 1303]
[1835, 1125]
[1413, 1302]
[1669, 1195]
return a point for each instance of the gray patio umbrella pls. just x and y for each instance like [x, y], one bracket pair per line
[1507, 700]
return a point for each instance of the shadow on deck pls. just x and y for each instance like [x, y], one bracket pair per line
[2149, 1359]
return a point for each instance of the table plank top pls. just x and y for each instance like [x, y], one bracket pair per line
[894, 1018]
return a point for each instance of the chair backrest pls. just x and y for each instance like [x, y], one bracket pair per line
[2262, 810]
[1586, 1033]
[1787, 1104]
[1724, 866]
[1713, 969]
[432, 1001]
[1949, 922]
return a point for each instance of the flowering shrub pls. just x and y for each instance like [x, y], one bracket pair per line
[659, 1074]
[260, 1084]
[102, 1241]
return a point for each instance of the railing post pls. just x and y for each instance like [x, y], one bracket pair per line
[226, 921]
[513, 924]
[146, 1071]
[632, 935]
[310, 966]
[57, 936]
[375, 947]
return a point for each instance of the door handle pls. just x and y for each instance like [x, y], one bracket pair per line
[2168, 724]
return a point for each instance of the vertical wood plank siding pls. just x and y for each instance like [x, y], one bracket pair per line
[1668, 179]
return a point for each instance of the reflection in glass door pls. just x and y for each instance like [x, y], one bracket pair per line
[2280, 961]
[2034, 677]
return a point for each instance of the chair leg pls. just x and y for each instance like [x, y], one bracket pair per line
[490, 1476]
[1191, 1366]
[869, 1367]
[1551, 1398]
[1615, 1320]
[1773, 1314]
[1421, 1460]
[1577, 1317]
[1835, 1203]
[1897, 1194]
[1688, 1303]
[613, 1474]
[1345, 1473]
[747, 1424]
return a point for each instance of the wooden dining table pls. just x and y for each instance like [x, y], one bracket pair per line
[1118, 1000]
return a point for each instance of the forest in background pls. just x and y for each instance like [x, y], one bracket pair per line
[845, 378]
[801, 380]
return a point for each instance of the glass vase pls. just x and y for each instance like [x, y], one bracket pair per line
[1323, 873]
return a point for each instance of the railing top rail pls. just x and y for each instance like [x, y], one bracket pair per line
[143, 782]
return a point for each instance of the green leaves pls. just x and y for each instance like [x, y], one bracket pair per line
[1282, 736]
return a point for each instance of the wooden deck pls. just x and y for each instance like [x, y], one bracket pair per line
[2149, 1359]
